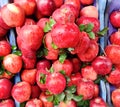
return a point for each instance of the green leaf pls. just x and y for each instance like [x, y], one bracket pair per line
[89, 27]
[83, 103]
[91, 35]
[49, 25]
[50, 98]
[62, 72]
[77, 98]
[1, 58]
[51, 22]
[54, 46]
[60, 97]
[2, 70]
[71, 49]
[17, 53]
[103, 32]
[51, 70]
[9, 73]
[56, 101]
[14, 47]
[42, 78]
[82, 27]
[45, 51]
[69, 96]
[67, 79]
[62, 57]
[71, 89]
[100, 77]
[22, 104]
[39, 54]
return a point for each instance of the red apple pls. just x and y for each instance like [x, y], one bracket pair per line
[7, 103]
[116, 97]
[102, 65]
[12, 11]
[5, 48]
[28, 5]
[86, 88]
[5, 88]
[3, 32]
[21, 91]
[89, 11]
[70, 103]
[66, 67]
[114, 18]
[115, 38]
[58, 3]
[88, 72]
[45, 7]
[86, 2]
[34, 103]
[35, 91]
[12, 63]
[29, 76]
[97, 102]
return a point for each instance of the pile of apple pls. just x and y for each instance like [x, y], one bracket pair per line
[57, 54]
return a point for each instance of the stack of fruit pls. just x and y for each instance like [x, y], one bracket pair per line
[53, 58]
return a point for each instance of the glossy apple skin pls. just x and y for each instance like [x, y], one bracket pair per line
[54, 80]
[89, 11]
[113, 53]
[86, 88]
[86, 2]
[66, 66]
[115, 97]
[7, 103]
[114, 18]
[29, 75]
[34, 103]
[12, 63]
[45, 7]
[88, 72]
[5, 48]
[97, 102]
[102, 65]
[5, 88]
[10, 11]
[21, 91]
[115, 38]
[28, 6]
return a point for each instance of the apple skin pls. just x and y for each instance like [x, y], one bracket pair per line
[70, 103]
[28, 5]
[12, 63]
[86, 2]
[58, 3]
[34, 103]
[3, 32]
[5, 48]
[114, 18]
[21, 91]
[116, 97]
[89, 11]
[98, 102]
[35, 91]
[13, 11]
[5, 88]
[7, 103]
[45, 7]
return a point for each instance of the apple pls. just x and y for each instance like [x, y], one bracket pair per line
[29, 75]
[7, 103]
[5, 48]
[89, 11]
[21, 91]
[70, 103]
[34, 103]
[12, 63]
[97, 102]
[115, 38]
[5, 88]
[86, 2]
[114, 18]
[35, 91]
[58, 3]
[28, 6]
[45, 7]
[3, 32]
[12, 11]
